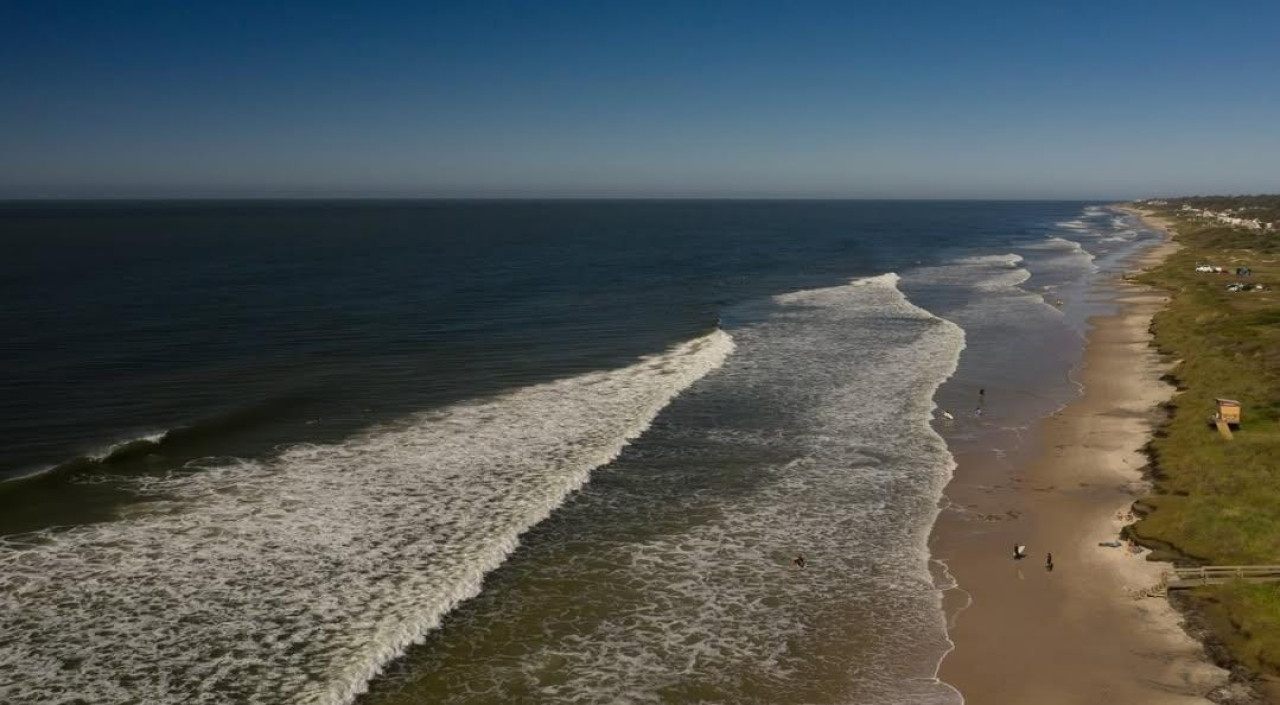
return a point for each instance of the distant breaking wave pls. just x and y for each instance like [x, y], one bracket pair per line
[121, 450]
[296, 579]
[174, 440]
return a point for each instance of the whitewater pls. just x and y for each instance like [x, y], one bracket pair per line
[419, 548]
[297, 578]
[669, 579]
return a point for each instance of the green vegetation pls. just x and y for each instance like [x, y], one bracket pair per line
[1246, 618]
[1218, 501]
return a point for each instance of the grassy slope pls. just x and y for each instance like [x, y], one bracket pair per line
[1219, 501]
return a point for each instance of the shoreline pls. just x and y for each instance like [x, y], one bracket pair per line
[1025, 634]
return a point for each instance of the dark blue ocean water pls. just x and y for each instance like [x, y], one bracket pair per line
[234, 405]
[123, 320]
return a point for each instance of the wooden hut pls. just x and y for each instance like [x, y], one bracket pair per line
[1228, 412]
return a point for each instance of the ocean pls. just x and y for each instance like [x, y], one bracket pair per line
[510, 451]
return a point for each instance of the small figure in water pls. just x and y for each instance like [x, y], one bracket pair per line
[1048, 562]
[798, 561]
[977, 412]
[1019, 552]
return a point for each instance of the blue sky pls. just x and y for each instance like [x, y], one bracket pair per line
[802, 99]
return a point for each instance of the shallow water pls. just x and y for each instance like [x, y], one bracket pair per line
[684, 591]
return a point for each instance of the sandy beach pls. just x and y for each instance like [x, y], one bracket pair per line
[1073, 634]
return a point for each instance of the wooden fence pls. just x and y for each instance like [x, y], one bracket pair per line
[1186, 578]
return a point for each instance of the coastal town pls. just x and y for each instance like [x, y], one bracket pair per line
[1232, 217]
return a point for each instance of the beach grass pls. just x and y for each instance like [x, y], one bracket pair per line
[1217, 501]
[1250, 617]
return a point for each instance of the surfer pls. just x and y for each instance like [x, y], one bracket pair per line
[798, 561]
[1019, 552]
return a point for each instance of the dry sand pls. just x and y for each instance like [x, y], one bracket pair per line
[1024, 634]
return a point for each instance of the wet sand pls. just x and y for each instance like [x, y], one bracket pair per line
[1024, 634]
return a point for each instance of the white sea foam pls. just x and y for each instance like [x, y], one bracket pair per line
[294, 580]
[1006, 310]
[109, 450]
[1077, 225]
[1061, 260]
[1010, 260]
[97, 456]
[1121, 235]
[989, 273]
[1099, 225]
[845, 467]
[1059, 244]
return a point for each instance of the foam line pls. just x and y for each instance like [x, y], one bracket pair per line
[296, 579]
[836, 458]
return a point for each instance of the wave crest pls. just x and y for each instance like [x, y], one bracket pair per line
[298, 578]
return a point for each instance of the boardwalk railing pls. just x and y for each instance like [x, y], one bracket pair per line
[1184, 578]
[1227, 571]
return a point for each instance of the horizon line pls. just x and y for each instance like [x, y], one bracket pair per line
[278, 199]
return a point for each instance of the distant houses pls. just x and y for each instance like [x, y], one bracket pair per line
[1227, 218]
[1233, 211]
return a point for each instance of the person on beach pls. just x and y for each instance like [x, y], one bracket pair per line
[798, 561]
[1048, 562]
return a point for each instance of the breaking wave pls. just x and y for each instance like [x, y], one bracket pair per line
[296, 579]
[1059, 259]
[987, 273]
[814, 437]
[115, 452]
[177, 441]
